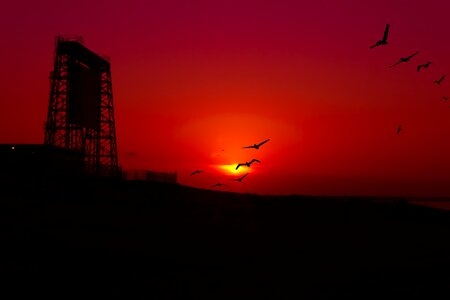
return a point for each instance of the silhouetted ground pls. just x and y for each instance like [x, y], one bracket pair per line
[137, 240]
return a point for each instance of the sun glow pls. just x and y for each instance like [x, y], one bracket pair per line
[231, 169]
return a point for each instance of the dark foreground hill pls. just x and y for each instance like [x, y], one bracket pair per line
[137, 240]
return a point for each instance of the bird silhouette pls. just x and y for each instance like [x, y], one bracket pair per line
[196, 172]
[240, 178]
[256, 146]
[404, 59]
[399, 128]
[383, 41]
[440, 79]
[426, 65]
[247, 163]
[445, 98]
[218, 184]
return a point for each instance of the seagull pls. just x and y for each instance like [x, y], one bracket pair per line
[384, 40]
[247, 163]
[404, 59]
[399, 128]
[218, 184]
[423, 66]
[196, 172]
[440, 79]
[256, 146]
[240, 179]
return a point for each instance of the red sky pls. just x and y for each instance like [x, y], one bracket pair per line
[195, 81]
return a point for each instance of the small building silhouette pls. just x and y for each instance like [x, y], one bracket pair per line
[32, 162]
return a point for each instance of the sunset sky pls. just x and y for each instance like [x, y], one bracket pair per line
[195, 81]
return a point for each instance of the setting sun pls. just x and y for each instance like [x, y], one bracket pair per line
[231, 169]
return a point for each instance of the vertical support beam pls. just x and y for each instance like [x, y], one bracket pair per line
[107, 148]
[56, 125]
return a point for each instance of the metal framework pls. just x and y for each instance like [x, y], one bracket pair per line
[97, 144]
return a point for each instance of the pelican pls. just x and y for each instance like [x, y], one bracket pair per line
[218, 184]
[240, 178]
[196, 172]
[383, 41]
[247, 163]
[423, 66]
[256, 146]
[440, 79]
[404, 59]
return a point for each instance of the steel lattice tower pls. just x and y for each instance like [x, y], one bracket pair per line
[81, 113]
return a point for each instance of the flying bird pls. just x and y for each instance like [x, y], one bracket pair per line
[218, 184]
[240, 178]
[256, 146]
[247, 163]
[404, 59]
[383, 41]
[399, 128]
[196, 172]
[440, 79]
[426, 65]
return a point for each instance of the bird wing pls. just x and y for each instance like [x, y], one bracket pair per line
[238, 166]
[248, 147]
[262, 143]
[395, 64]
[386, 32]
[244, 176]
[412, 55]
[440, 79]
[418, 67]
[374, 45]
[253, 160]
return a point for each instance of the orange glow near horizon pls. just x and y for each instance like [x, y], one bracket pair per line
[231, 169]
